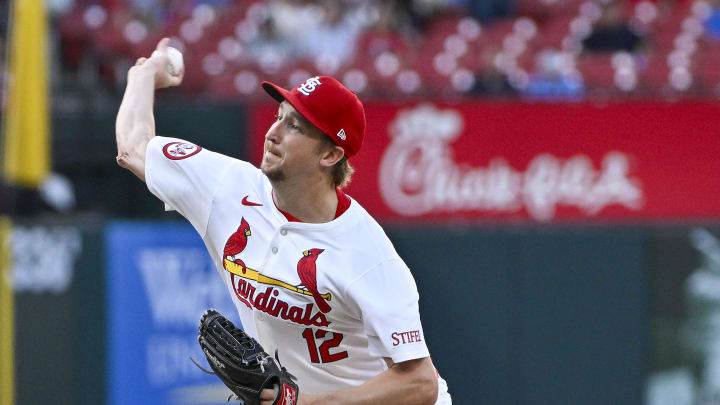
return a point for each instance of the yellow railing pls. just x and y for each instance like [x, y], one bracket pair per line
[7, 318]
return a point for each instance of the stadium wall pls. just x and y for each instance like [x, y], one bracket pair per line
[523, 315]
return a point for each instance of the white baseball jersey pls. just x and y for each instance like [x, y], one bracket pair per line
[333, 298]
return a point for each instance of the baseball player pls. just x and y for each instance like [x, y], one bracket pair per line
[310, 272]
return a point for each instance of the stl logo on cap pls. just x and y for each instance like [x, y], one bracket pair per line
[309, 85]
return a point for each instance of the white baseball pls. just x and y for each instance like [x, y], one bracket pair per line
[175, 60]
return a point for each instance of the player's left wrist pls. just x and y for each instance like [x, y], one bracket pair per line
[305, 398]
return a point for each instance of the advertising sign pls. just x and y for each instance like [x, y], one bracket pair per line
[56, 275]
[44, 257]
[160, 281]
[534, 162]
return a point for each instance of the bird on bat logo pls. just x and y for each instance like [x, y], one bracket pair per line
[237, 243]
[307, 272]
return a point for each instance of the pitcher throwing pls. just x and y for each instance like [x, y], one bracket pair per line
[311, 273]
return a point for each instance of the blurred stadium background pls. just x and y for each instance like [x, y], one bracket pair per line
[547, 168]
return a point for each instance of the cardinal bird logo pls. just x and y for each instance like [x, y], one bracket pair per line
[237, 242]
[308, 276]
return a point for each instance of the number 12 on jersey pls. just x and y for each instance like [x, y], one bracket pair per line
[321, 354]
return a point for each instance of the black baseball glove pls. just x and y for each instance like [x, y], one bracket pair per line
[241, 363]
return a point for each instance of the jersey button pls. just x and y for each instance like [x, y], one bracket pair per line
[274, 250]
[283, 232]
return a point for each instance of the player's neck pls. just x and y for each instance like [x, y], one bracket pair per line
[311, 202]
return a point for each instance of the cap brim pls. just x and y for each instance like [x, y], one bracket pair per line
[280, 94]
[276, 92]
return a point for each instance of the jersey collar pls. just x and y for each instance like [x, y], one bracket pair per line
[343, 204]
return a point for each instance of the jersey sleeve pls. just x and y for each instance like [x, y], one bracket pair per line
[185, 177]
[388, 299]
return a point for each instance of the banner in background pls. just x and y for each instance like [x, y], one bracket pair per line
[537, 162]
[160, 281]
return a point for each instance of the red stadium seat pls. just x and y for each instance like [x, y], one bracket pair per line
[597, 70]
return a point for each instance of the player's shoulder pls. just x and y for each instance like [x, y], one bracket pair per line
[367, 233]
[374, 251]
[211, 171]
[183, 152]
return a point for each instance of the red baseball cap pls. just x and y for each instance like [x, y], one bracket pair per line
[330, 106]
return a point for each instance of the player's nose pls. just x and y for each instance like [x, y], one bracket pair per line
[273, 133]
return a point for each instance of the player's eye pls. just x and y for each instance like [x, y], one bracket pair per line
[278, 117]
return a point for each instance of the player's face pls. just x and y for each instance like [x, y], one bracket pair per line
[292, 146]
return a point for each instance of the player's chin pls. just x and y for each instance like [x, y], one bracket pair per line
[266, 163]
[272, 172]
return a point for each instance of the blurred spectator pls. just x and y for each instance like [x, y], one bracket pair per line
[422, 12]
[269, 43]
[489, 81]
[712, 24]
[391, 30]
[325, 31]
[335, 36]
[488, 9]
[612, 32]
[555, 78]
[294, 18]
[58, 6]
[153, 13]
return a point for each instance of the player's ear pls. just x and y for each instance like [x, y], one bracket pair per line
[331, 155]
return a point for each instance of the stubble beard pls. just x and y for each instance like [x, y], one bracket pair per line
[273, 174]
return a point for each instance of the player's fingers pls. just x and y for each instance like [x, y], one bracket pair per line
[268, 394]
[180, 75]
[140, 61]
[175, 80]
[163, 44]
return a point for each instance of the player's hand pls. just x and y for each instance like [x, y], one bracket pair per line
[157, 64]
[267, 396]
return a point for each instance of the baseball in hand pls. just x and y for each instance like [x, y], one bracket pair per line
[175, 60]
